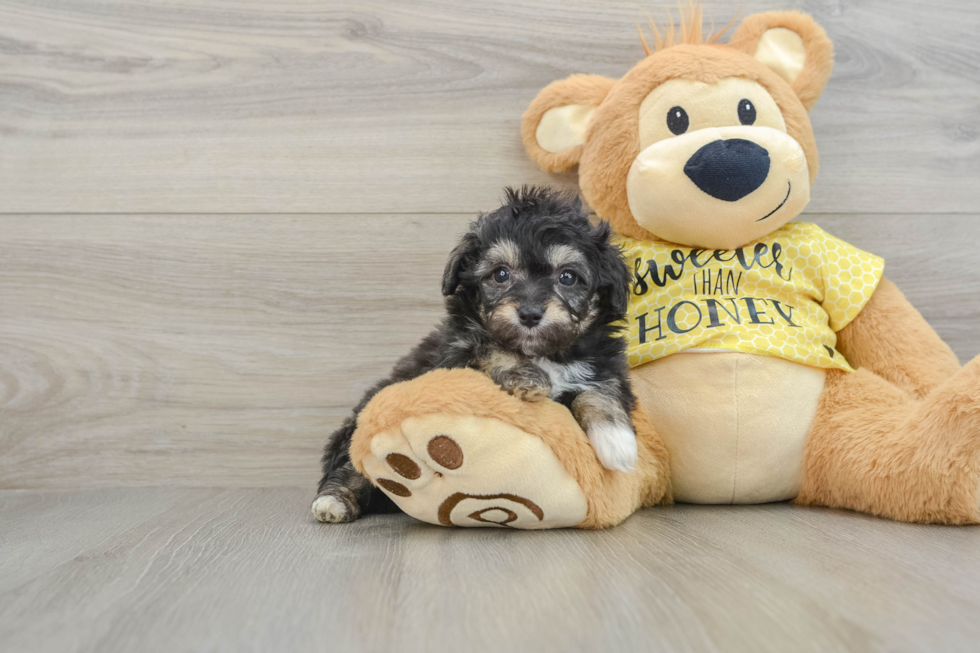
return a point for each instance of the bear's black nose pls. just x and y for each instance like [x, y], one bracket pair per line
[730, 169]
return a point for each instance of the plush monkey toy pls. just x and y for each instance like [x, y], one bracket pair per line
[771, 360]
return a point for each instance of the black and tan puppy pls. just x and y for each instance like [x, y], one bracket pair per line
[534, 293]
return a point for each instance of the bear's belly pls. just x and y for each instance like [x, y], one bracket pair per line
[735, 423]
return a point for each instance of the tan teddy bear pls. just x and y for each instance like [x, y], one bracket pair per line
[773, 361]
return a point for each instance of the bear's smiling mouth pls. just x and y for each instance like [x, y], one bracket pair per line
[789, 189]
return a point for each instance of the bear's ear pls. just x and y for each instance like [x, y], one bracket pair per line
[793, 45]
[554, 126]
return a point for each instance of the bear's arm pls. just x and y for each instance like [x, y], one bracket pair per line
[892, 339]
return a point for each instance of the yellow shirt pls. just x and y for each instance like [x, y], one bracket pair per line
[785, 295]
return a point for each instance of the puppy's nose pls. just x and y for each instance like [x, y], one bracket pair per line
[530, 316]
[728, 169]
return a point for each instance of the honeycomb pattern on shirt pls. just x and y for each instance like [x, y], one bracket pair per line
[785, 295]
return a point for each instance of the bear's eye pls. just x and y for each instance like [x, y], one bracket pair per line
[567, 278]
[746, 112]
[677, 120]
[500, 275]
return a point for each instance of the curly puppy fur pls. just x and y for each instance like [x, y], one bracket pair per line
[534, 298]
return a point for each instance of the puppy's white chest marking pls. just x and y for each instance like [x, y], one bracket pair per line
[573, 377]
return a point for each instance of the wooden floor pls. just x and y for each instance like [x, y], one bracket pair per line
[249, 570]
[221, 220]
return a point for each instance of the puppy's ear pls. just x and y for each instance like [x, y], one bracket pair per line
[614, 274]
[461, 258]
[579, 207]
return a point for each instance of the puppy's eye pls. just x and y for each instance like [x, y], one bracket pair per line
[567, 278]
[500, 275]
[746, 112]
[677, 121]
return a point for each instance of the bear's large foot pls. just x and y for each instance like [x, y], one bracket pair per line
[876, 449]
[473, 471]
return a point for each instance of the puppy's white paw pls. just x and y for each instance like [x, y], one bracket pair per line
[330, 510]
[615, 445]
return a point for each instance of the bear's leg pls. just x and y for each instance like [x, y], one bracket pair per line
[892, 339]
[875, 448]
[452, 448]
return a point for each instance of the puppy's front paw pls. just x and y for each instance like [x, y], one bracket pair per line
[614, 444]
[335, 507]
[528, 383]
[530, 392]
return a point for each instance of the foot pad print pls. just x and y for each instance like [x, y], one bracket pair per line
[446, 509]
[403, 466]
[463, 470]
[394, 487]
[445, 452]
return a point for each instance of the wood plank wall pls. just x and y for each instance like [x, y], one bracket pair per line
[220, 220]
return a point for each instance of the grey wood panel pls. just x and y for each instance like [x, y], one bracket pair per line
[249, 570]
[220, 350]
[191, 349]
[376, 106]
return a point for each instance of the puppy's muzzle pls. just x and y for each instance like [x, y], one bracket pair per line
[530, 316]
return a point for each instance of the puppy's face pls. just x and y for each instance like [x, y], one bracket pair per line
[535, 299]
[537, 275]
